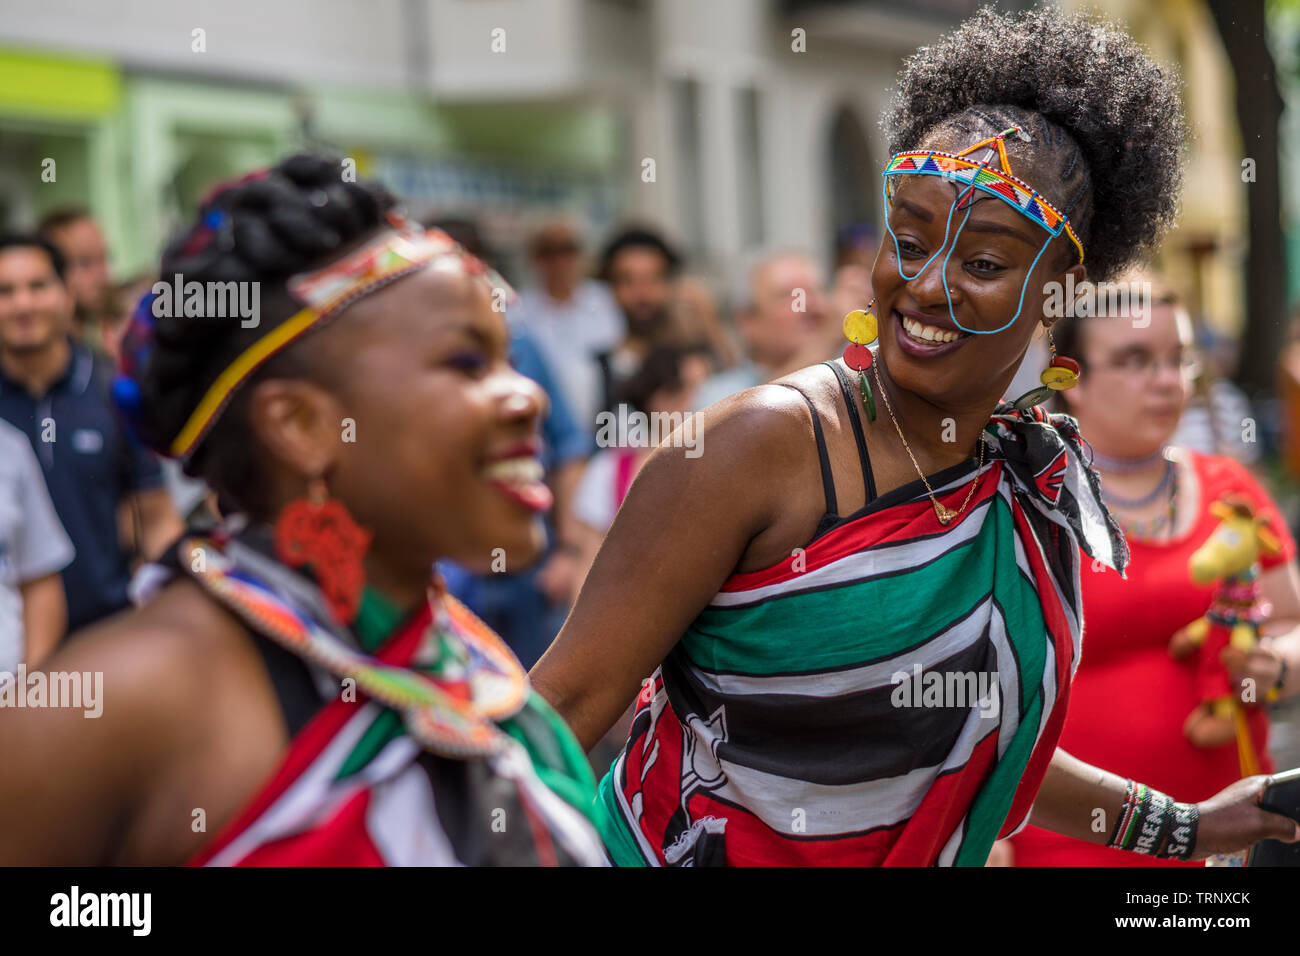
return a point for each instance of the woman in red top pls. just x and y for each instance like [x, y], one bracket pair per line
[1130, 697]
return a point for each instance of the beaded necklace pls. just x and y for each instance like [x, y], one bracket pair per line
[1121, 466]
[1150, 496]
[1161, 526]
[460, 681]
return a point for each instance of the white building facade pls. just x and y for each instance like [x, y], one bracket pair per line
[730, 124]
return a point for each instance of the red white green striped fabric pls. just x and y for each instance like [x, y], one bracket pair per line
[777, 731]
[356, 788]
[355, 791]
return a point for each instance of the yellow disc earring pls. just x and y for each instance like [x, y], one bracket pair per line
[1061, 373]
[861, 329]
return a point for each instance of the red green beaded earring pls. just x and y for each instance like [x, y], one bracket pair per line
[860, 328]
[1061, 373]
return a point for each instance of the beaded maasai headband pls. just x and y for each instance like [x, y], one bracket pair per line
[324, 293]
[1001, 183]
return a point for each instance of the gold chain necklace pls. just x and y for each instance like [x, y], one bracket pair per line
[944, 514]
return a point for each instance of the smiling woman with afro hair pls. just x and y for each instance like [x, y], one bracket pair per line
[859, 632]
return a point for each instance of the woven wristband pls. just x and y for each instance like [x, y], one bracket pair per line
[1181, 839]
[1124, 821]
[1152, 817]
[1153, 824]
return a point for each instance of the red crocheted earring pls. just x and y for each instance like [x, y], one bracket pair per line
[318, 531]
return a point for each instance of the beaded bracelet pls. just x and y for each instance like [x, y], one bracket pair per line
[1153, 824]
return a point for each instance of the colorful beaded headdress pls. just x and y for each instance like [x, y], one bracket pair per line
[977, 175]
[323, 293]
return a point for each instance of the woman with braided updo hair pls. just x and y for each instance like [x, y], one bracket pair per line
[860, 637]
[294, 689]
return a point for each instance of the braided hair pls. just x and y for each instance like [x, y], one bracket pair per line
[264, 228]
[1104, 121]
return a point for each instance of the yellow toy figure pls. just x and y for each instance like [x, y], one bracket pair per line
[1230, 628]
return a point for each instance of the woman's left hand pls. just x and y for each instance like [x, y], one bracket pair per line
[1262, 664]
[1232, 820]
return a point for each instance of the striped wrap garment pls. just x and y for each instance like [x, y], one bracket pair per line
[893, 694]
[355, 787]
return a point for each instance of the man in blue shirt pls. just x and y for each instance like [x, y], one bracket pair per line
[57, 393]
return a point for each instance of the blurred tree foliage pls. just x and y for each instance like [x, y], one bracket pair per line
[1243, 27]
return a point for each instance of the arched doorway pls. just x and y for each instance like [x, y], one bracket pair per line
[854, 189]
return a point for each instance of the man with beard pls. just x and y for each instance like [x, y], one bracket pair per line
[640, 269]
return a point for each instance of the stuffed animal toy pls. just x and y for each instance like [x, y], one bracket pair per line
[1229, 559]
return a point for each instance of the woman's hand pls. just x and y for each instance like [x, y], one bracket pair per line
[1280, 634]
[1262, 665]
[1232, 820]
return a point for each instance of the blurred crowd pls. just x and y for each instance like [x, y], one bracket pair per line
[602, 323]
[621, 323]
[625, 325]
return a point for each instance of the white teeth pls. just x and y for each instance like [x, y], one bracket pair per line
[928, 333]
[514, 470]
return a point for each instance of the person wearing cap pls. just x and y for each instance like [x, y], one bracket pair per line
[572, 319]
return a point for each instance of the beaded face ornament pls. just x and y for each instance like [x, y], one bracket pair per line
[860, 326]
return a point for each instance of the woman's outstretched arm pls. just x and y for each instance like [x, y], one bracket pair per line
[1082, 801]
[680, 533]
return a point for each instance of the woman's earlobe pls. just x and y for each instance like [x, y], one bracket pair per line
[292, 422]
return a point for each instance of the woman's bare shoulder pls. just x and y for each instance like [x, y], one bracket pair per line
[767, 417]
[181, 634]
[161, 687]
[167, 669]
[757, 461]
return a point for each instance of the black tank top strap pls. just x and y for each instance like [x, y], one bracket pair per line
[295, 688]
[851, 400]
[291, 681]
[828, 482]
